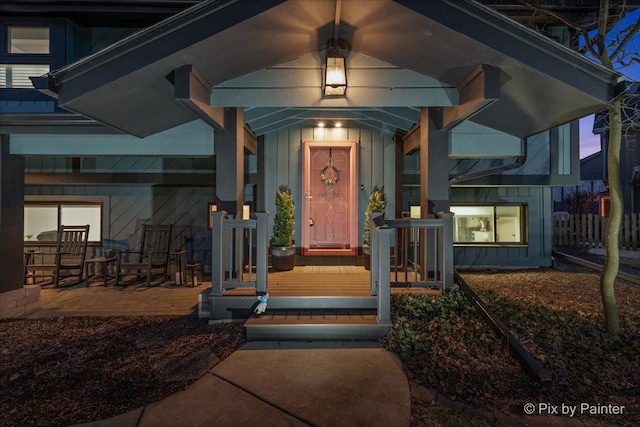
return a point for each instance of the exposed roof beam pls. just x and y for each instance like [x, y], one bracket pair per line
[250, 140]
[480, 89]
[283, 115]
[256, 113]
[290, 121]
[392, 121]
[358, 96]
[194, 91]
[411, 141]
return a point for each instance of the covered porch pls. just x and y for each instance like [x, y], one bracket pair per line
[242, 84]
[324, 302]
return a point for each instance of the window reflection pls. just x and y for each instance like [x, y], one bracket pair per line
[28, 40]
[488, 224]
[42, 220]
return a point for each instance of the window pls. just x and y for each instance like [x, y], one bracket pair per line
[605, 206]
[42, 220]
[489, 224]
[26, 53]
[17, 75]
[28, 40]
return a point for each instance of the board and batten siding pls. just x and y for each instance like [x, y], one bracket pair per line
[536, 252]
[551, 158]
[283, 166]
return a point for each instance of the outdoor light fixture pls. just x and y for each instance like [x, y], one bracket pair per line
[335, 74]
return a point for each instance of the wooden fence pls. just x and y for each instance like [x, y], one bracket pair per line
[588, 231]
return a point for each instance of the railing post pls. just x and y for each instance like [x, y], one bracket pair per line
[374, 267]
[217, 269]
[384, 273]
[262, 239]
[447, 250]
[238, 251]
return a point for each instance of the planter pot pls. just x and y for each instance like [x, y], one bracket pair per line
[283, 258]
[366, 256]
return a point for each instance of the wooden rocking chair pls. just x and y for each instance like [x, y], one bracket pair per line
[69, 257]
[152, 259]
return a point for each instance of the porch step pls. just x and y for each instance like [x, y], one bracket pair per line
[241, 307]
[318, 324]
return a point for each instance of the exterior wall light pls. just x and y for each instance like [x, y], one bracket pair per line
[335, 75]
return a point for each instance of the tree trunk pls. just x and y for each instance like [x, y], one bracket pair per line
[612, 257]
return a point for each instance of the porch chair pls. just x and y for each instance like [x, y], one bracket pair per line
[152, 257]
[68, 259]
[188, 271]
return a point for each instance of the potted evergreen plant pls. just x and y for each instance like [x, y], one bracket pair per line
[283, 250]
[377, 203]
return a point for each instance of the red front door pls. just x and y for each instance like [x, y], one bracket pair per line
[329, 205]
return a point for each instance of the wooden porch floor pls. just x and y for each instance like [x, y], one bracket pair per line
[320, 281]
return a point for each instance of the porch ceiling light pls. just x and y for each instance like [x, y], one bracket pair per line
[335, 75]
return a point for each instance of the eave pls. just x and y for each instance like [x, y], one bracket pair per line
[541, 84]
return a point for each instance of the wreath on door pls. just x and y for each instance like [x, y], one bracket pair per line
[330, 175]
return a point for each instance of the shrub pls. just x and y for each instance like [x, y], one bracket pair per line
[283, 223]
[377, 203]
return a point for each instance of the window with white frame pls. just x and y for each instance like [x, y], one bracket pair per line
[489, 224]
[43, 219]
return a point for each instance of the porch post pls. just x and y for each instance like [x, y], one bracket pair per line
[447, 250]
[262, 242]
[12, 219]
[384, 274]
[434, 176]
[374, 267]
[14, 299]
[434, 167]
[217, 251]
[229, 147]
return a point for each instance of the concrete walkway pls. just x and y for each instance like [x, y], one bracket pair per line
[287, 384]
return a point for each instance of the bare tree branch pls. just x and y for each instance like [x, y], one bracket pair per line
[633, 30]
[588, 41]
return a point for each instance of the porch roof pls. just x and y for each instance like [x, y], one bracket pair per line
[128, 85]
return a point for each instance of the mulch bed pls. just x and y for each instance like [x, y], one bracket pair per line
[61, 371]
[556, 313]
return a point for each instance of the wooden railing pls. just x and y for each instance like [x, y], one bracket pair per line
[427, 245]
[588, 231]
[233, 243]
